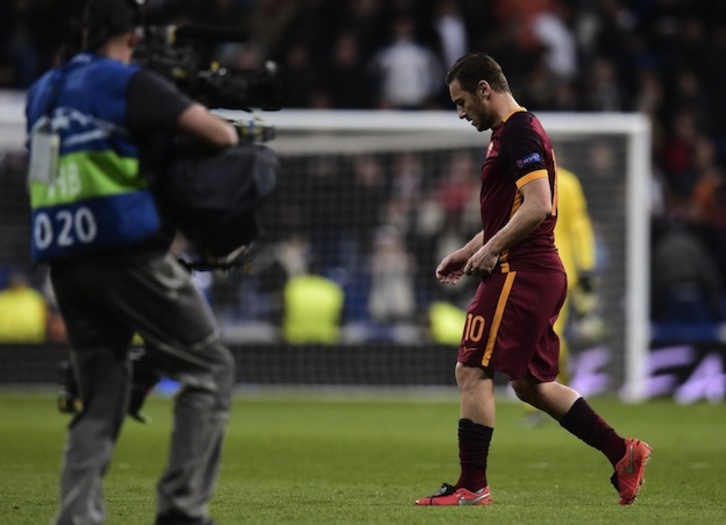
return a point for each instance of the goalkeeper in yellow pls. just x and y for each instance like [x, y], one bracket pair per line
[575, 240]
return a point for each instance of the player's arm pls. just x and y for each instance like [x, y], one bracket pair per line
[473, 245]
[536, 207]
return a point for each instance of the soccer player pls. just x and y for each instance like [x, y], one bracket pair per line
[509, 323]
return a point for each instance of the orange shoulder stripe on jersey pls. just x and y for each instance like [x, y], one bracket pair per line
[518, 110]
[529, 177]
[498, 313]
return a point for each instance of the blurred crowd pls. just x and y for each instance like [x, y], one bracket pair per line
[662, 58]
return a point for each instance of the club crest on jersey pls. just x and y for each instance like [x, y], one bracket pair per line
[529, 159]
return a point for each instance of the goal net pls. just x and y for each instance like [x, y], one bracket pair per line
[375, 199]
[369, 201]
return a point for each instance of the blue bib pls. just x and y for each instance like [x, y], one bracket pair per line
[92, 198]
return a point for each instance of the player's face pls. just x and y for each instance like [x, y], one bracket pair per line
[473, 107]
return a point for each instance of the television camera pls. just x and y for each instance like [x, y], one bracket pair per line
[183, 54]
[247, 173]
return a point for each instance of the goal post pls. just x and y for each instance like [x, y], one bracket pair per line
[12, 120]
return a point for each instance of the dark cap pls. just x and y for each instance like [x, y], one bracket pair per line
[107, 18]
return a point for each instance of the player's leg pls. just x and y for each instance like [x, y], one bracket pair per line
[476, 425]
[477, 406]
[538, 388]
[552, 398]
[627, 456]
[566, 406]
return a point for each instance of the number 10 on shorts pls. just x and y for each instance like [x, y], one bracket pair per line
[474, 328]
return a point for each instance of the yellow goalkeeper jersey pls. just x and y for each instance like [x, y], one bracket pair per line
[574, 235]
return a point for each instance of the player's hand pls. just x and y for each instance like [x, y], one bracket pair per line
[451, 268]
[482, 263]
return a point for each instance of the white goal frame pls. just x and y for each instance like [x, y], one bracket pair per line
[636, 127]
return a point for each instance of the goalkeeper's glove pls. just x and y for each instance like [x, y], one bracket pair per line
[588, 324]
[585, 294]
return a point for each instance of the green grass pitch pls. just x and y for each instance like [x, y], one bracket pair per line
[323, 459]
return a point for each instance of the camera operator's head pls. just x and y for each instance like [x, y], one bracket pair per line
[110, 27]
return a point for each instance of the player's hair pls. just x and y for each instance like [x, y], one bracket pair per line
[475, 66]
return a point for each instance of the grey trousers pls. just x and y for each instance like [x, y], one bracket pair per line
[103, 305]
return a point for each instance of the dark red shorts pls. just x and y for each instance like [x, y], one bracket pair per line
[509, 324]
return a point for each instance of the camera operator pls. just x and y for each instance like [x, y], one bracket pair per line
[96, 125]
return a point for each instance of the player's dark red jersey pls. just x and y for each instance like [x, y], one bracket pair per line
[519, 152]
